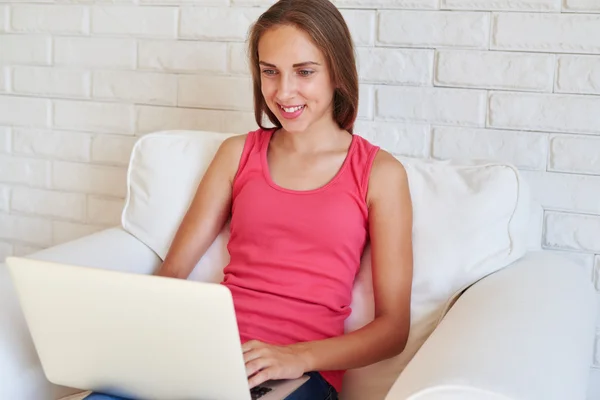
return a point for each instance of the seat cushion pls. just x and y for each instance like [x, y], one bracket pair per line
[470, 219]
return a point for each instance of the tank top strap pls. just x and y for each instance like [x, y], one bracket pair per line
[250, 160]
[360, 162]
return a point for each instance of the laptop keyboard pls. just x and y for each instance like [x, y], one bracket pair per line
[259, 391]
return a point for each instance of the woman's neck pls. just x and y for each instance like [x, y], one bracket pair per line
[317, 137]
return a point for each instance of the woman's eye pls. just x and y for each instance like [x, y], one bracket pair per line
[305, 72]
[268, 72]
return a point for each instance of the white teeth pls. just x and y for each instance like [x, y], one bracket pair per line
[291, 109]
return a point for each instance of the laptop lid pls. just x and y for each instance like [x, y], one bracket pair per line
[131, 335]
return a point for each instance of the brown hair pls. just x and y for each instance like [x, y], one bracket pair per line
[329, 32]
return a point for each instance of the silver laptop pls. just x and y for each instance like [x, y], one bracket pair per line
[135, 336]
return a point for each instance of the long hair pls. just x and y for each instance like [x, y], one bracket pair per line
[322, 21]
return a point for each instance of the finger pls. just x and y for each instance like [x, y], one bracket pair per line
[255, 366]
[259, 378]
[254, 354]
[249, 345]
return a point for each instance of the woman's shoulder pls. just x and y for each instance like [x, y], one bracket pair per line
[387, 174]
[231, 151]
[386, 166]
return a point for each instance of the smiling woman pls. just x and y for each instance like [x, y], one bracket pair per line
[304, 198]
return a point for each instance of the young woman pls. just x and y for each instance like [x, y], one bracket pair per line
[304, 198]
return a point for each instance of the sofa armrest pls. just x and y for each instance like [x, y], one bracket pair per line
[525, 332]
[21, 375]
[109, 249]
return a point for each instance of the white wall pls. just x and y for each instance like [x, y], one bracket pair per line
[517, 80]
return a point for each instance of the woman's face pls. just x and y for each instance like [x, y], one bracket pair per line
[295, 80]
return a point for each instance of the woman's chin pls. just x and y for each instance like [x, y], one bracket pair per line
[293, 126]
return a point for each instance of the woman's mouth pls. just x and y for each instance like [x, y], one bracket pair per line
[291, 112]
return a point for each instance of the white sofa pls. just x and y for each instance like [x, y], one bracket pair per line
[493, 317]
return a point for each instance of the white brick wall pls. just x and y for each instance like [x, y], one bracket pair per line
[48, 81]
[70, 146]
[578, 74]
[42, 18]
[509, 80]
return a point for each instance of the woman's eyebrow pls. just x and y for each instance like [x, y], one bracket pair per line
[302, 64]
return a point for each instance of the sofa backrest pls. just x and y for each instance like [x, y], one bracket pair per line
[470, 219]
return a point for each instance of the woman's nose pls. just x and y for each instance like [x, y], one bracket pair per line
[287, 87]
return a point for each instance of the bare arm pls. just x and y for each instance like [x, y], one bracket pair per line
[207, 213]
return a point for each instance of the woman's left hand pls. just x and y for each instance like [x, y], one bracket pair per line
[265, 362]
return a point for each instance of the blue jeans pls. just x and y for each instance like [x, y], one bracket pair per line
[316, 388]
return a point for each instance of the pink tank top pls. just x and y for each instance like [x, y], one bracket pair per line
[295, 254]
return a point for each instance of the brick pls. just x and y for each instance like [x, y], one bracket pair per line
[54, 18]
[597, 272]
[247, 3]
[596, 361]
[5, 139]
[138, 87]
[70, 146]
[572, 232]
[105, 211]
[543, 32]
[535, 226]
[48, 203]
[500, 5]
[94, 117]
[26, 229]
[431, 105]
[24, 111]
[153, 119]
[578, 193]
[4, 18]
[238, 58]
[439, 29]
[418, 4]
[135, 21]
[94, 52]
[4, 198]
[25, 49]
[86, 178]
[182, 56]
[366, 102]
[216, 23]
[112, 149]
[63, 231]
[527, 150]
[494, 70]
[564, 147]
[48, 81]
[581, 5]
[4, 79]
[223, 3]
[395, 66]
[225, 92]
[361, 24]
[6, 250]
[22, 250]
[410, 140]
[578, 74]
[21, 170]
[540, 112]
[597, 365]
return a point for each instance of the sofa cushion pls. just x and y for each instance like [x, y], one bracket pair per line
[470, 219]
